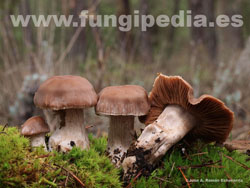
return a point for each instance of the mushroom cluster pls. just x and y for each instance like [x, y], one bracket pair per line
[175, 114]
[63, 98]
[170, 113]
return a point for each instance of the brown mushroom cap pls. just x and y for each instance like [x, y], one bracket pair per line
[214, 119]
[33, 126]
[127, 100]
[65, 92]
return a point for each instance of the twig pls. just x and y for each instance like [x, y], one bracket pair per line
[171, 170]
[237, 162]
[72, 174]
[67, 179]
[162, 179]
[228, 176]
[70, 45]
[100, 56]
[215, 166]
[3, 132]
[93, 7]
[187, 156]
[129, 185]
[5, 127]
[202, 153]
[43, 156]
[202, 165]
[184, 177]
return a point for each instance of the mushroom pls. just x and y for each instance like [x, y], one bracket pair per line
[35, 128]
[121, 103]
[64, 98]
[175, 114]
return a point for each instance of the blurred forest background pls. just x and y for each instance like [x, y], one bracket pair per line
[214, 61]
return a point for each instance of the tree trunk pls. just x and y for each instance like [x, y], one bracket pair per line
[125, 38]
[171, 36]
[80, 45]
[146, 39]
[28, 35]
[204, 35]
[230, 36]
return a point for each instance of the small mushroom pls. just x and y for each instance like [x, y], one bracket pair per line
[64, 98]
[35, 128]
[122, 104]
[175, 114]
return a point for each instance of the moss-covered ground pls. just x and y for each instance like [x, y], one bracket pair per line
[202, 165]
[22, 167]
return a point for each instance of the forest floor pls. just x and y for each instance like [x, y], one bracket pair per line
[199, 165]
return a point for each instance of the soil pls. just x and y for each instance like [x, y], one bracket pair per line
[140, 166]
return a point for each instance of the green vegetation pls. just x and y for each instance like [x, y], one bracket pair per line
[208, 162]
[21, 167]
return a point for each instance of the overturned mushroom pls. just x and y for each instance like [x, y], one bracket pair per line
[121, 103]
[35, 128]
[175, 113]
[64, 98]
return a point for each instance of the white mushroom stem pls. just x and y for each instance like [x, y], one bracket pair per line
[157, 138]
[38, 140]
[70, 131]
[121, 135]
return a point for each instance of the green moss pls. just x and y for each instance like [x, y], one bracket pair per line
[21, 167]
[220, 171]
